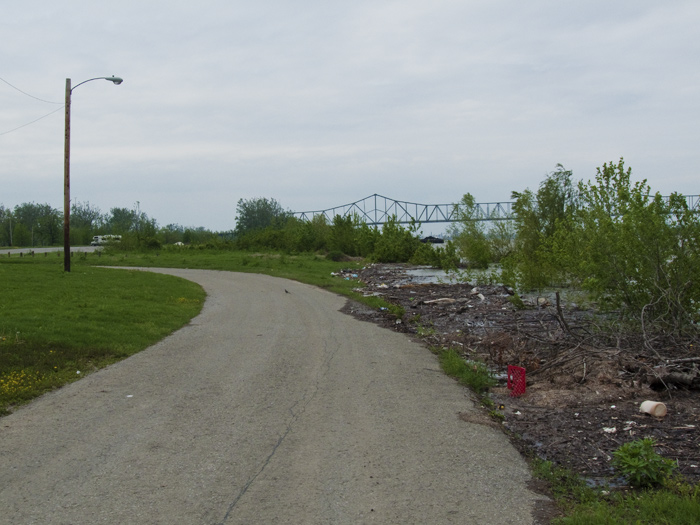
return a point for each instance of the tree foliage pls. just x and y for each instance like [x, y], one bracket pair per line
[469, 234]
[633, 250]
[539, 218]
[636, 251]
[258, 214]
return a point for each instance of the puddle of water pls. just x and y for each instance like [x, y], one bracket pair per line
[427, 275]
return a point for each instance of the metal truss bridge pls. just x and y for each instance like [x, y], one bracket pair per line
[377, 209]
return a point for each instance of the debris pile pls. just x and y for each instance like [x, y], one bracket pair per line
[583, 394]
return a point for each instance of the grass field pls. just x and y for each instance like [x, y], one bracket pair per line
[57, 326]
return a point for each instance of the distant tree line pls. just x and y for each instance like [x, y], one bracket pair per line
[30, 224]
[262, 224]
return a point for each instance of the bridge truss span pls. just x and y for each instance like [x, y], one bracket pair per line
[376, 210]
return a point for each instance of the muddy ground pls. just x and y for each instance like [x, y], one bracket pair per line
[583, 392]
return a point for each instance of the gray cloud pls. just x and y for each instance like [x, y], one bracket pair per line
[321, 103]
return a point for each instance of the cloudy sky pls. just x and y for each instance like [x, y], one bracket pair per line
[318, 103]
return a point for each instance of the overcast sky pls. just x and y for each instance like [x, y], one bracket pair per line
[321, 103]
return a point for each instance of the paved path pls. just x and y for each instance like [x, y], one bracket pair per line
[270, 407]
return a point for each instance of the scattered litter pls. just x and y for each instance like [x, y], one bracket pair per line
[610, 430]
[442, 300]
[654, 408]
[78, 372]
[129, 395]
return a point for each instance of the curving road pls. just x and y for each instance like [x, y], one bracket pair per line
[270, 407]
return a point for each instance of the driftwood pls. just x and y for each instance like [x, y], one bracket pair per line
[664, 376]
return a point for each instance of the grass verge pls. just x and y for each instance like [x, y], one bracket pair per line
[57, 326]
[473, 374]
[676, 502]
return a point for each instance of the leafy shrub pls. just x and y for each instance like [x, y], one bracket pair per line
[396, 244]
[640, 464]
[469, 234]
[636, 251]
[425, 255]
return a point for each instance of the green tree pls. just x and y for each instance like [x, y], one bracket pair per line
[469, 233]
[396, 244]
[636, 251]
[341, 237]
[121, 221]
[42, 224]
[5, 226]
[85, 221]
[171, 233]
[258, 214]
[539, 218]
[501, 237]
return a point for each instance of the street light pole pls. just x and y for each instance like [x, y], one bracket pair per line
[66, 169]
[66, 185]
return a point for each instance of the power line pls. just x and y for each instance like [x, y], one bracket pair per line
[32, 122]
[30, 96]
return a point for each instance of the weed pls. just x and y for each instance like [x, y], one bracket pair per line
[487, 402]
[567, 488]
[473, 374]
[423, 331]
[517, 301]
[677, 503]
[498, 416]
[641, 465]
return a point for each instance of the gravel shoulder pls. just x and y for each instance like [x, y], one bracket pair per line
[270, 407]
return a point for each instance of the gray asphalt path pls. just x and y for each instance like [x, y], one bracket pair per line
[270, 407]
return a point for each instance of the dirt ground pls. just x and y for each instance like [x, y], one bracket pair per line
[583, 394]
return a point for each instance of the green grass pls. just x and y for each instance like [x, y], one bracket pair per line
[473, 374]
[677, 502]
[307, 268]
[57, 326]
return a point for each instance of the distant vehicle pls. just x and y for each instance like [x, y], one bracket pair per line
[101, 240]
[432, 240]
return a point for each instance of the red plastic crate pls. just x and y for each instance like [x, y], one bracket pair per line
[516, 380]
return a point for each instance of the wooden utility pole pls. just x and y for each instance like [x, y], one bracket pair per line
[66, 185]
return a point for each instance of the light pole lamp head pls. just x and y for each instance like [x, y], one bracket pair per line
[114, 79]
